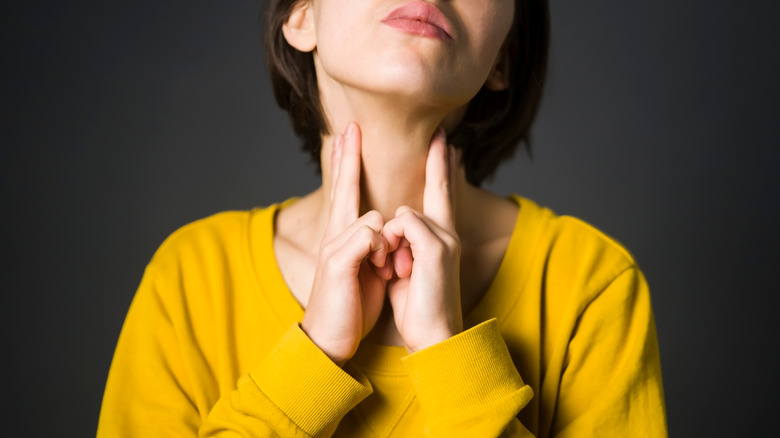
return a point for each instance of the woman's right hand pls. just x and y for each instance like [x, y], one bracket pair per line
[349, 285]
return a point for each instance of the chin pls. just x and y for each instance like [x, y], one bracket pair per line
[410, 78]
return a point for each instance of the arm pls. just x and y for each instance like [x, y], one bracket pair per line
[296, 391]
[611, 384]
[162, 378]
[148, 388]
[466, 382]
[300, 387]
[468, 385]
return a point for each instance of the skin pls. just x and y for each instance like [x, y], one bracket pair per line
[395, 216]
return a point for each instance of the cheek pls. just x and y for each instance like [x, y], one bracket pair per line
[342, 33]
[490, 24]
[495, 29]
[336, 56]
[489, 36]
[330, 35]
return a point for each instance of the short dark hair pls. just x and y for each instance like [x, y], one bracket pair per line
[494, 124]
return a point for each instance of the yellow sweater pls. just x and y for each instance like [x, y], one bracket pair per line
[211, 346]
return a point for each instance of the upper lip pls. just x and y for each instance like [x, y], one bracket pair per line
[423, 11]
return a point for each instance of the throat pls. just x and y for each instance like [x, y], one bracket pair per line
[393, 175]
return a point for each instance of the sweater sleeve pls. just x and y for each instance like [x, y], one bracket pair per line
[468, 385]
[611, 384]
[296, 391]
[148, 391]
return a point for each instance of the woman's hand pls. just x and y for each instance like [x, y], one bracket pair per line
[349, 285]
[425, 248]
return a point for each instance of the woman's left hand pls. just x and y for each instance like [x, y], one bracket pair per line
[425, 296]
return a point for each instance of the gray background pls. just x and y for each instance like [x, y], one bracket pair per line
[122, 121]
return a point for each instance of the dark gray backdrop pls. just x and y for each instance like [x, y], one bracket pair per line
[124, 120]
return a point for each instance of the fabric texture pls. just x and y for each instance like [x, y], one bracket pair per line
[562, 344]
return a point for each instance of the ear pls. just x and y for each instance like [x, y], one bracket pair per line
[298, 30]
[498, 79]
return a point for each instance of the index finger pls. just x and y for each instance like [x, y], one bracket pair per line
[437, 196]
[345, 200]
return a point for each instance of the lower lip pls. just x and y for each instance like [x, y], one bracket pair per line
[417, 27]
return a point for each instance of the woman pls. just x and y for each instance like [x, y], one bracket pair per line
[399, 298]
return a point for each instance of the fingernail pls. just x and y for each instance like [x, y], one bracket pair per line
[350, 129]
[441, 133]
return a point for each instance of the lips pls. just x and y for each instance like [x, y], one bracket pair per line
[420, 18]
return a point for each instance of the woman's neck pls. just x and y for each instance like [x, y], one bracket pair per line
[395, 140]
[396, 132]
[394, 145]
[393, 164]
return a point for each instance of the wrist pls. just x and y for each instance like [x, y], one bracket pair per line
[334, 353]
[432, 337]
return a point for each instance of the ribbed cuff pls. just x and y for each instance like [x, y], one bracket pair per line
[306, 385]
[466, 374]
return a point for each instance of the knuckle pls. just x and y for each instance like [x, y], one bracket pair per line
[331, 262]
[408, 213]
[402, 210]
[446, 247]
[437, 248]
[327, 249]
[453, 246]
[452, 242]
[365, 236]
[338, 263]
[364, 233]
[374, 218]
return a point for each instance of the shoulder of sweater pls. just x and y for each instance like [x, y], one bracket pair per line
[589, 238]
[205, 238]
[576, 256]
